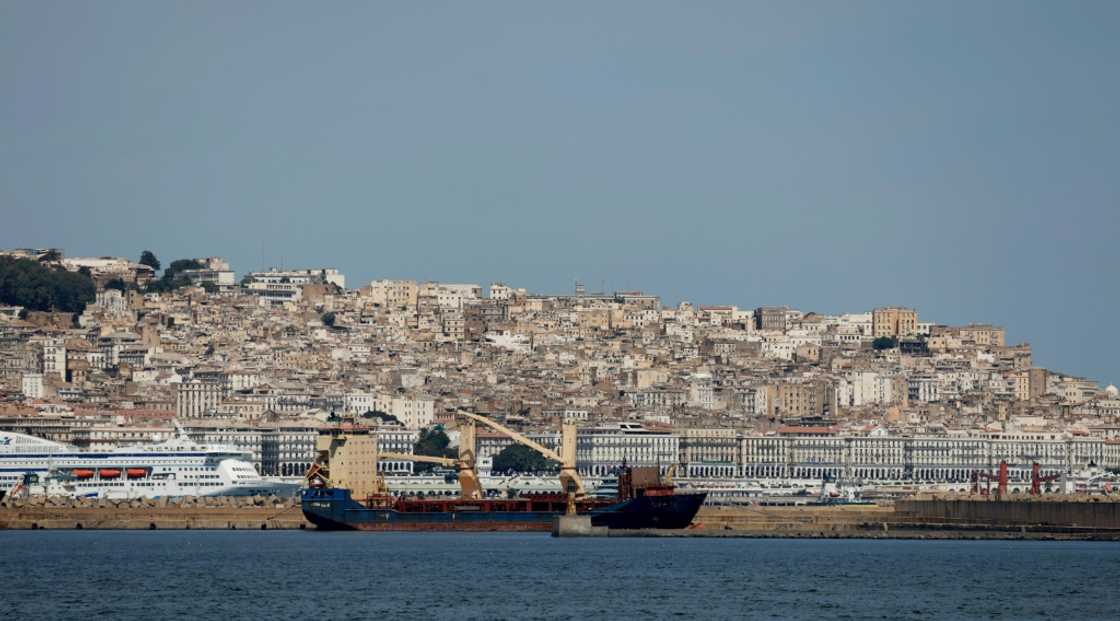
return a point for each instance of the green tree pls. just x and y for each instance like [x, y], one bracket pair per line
[328, 319]
[520, 458]
[172, 279]
[382, 416]
[179, 265]
[434, 443]
[117, 284]
[884, 342]
[39, 287]
[209, 287]
[149, 258]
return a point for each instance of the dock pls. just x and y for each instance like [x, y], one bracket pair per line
[1095, 519]
[257, 513]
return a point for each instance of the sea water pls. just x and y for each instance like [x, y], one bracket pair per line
[311, 575]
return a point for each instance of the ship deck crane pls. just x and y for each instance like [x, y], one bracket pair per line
[570, 480]
[469, 488]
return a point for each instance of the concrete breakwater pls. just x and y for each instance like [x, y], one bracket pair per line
[256, 512]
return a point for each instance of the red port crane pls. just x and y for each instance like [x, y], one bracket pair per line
[1037, 479]
[1000, 477]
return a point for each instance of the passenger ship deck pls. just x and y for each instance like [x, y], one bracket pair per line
[178, 467]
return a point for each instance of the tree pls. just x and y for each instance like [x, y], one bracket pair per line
[520, 458]
[328, 319]
[149, 258]
[117, 284]
[884, 342]
[172, 279]
[382, 416]
[43, 288]
[179, 265]
[209, 287]
[434, 443]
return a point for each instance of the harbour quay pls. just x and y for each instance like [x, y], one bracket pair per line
[932, 517]
[229, 512]
[926, 517]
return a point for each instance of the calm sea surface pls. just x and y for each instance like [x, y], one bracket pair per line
[326, 576]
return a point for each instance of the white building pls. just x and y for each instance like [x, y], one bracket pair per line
[413, 412]
[601, 450]
[111, 302]
[501, 292]
[214, 271]
[325, 275]
[195, 399]
[52, 358]
[450, 295]
[394, 294]
[33, 386]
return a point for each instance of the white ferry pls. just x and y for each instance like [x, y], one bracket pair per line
[178, 467]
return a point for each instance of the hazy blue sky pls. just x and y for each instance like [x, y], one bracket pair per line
[959, 157]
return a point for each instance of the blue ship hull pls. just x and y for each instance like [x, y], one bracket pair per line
[334, 509]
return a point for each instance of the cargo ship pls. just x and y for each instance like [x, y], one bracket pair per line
[344, 491]
[636, 506]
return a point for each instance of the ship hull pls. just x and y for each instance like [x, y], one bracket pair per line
[333, 509]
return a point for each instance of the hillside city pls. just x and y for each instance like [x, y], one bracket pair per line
[265, 361]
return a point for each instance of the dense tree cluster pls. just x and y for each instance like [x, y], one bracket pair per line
[37, 287]
[172, 279]
[149, 258]
[382, 416]
[433, 442]
[520, 458]
[884, 342]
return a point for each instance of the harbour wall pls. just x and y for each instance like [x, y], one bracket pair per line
[906, 519]
[180, 513]
[1080, 514]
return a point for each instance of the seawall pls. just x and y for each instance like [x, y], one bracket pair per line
[1078, 514]
[184, 513]
[912, 519]
[937, 518]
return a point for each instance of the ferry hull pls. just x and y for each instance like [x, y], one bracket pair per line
[333, 509]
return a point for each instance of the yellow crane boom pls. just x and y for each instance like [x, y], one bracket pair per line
[569, 478]
[469, 487]
[442, 461]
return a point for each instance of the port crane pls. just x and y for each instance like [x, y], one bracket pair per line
[469, 488]
[570, 480]
[1037, 479]
[1001, 478]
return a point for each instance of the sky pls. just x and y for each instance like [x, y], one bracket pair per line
[957, 157]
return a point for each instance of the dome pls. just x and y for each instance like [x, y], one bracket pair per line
[1112, 391]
